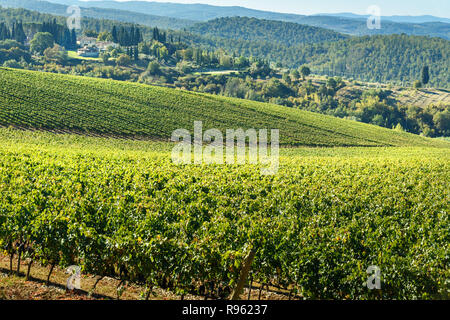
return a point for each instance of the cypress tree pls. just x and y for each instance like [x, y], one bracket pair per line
[114, 34]
[73, 39]
[136, 53]
[425, 75]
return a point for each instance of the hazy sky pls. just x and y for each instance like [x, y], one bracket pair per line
[439, 8]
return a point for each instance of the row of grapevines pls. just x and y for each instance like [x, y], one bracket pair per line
[316, 225]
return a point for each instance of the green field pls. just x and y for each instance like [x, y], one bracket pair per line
[105, 107]
[76, 189]
[74, 55]
[120, 208]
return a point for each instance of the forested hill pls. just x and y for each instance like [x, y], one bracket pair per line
[265, 30]
[150, 20]
[353, 25]
[10, 15]
[321, 27]
[376, 58]
[381, 58]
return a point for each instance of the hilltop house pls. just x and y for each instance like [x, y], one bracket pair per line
[104, 45]
[86, 41]
[92, 52]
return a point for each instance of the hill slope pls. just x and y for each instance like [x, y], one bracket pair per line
[150, 20]
[43, 101]
[379, 58]
[245, 28]
[202, 12]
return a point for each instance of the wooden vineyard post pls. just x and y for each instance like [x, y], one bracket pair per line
[243, 276]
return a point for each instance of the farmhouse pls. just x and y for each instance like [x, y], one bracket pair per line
[92, 52]
[104, 45]
[86, 41]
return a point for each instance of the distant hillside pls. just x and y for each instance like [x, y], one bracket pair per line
[244, 28]
[36, 100]
[380, 58]
[202, 12]
[396, 58]
[359, 26]
[400, 19]
[198, 12]
[28, 17]
[101, 13]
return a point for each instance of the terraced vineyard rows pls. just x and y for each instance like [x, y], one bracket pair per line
[54, 102]
[118, 210]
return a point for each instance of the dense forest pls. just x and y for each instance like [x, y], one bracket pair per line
[100, 13]
[186, 14]
[380, 58]
[252, 29]
[394, 58]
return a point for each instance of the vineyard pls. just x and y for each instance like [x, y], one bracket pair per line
[61, 103]
[121, 209]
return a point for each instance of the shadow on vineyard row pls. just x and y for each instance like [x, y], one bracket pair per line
[14, 287]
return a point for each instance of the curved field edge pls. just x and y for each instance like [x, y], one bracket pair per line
[64, 103]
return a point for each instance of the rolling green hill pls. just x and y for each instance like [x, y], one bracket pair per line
[43, 101]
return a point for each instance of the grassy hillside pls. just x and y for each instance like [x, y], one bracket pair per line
[54, 102]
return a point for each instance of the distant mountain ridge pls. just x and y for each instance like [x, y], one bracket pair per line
[369, 58]
[204, 12]
[352, 24]
[396, 18]
[101, 13]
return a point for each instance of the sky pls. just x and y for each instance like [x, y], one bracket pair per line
[440, 8]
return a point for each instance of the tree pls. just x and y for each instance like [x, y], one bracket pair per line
[417, 84]
[274, 89]
[73, 38]
[18, 33]
[295, 74]
[105, 36]
[105, 57]
[425, 75]
[91, 33]
[41, 41]
[56, 54]
[287, 77]
[123, 60]
[332, 84]
[305, 71]
[154, 68]
[442, 122]
[136, 54]
[114, 34]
